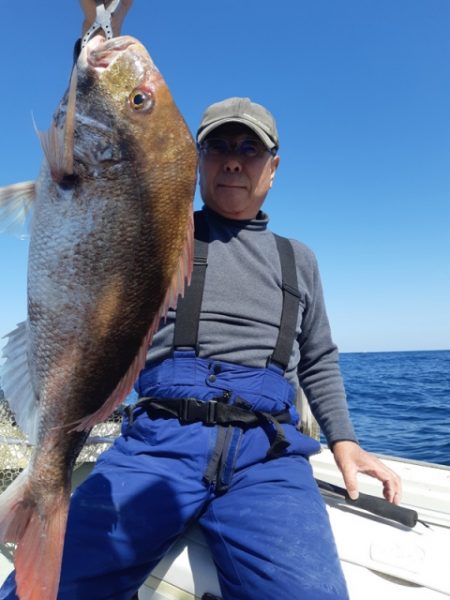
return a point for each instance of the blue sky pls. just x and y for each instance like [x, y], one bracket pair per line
[361, 93]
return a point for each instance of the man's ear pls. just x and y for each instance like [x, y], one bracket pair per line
[273, 168]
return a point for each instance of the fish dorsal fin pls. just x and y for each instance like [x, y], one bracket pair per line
[16, 382]
[181, 277]
[52, 142]
[57, 143]
[16, 202]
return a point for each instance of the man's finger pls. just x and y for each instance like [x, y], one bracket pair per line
[351, 485]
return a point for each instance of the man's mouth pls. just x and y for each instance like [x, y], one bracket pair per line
[232, 186]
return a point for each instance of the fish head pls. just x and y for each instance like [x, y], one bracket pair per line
[125, 112]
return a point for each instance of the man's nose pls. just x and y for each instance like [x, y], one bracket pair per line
[232, 165]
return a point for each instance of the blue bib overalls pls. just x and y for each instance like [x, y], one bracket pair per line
[250, 488]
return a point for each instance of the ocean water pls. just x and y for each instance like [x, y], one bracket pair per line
[400, 402]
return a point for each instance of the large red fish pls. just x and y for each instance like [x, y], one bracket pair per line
[110, 249]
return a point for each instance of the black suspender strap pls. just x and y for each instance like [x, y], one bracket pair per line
[188, 307]
[291, 301]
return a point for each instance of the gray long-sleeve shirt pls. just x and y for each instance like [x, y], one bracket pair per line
[241, 310]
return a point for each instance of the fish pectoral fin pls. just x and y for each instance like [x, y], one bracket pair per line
[37, 525]
[16, 202]
[16, 382]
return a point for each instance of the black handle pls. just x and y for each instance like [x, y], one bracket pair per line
[377, 506]
[383, 508]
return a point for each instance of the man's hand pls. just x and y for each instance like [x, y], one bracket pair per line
[88, 7]
[351, 459]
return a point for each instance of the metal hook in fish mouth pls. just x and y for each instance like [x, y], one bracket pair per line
[103, 16]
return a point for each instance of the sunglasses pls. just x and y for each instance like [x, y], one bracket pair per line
[220, 147]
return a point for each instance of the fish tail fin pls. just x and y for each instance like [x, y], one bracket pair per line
[14, 513]
[38, 530]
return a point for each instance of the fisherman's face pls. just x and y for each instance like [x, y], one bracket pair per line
[236, 171]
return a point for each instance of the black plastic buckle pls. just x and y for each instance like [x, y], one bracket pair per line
[211, 414]
[191, 410]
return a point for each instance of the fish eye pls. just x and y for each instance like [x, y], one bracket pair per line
[140, 100]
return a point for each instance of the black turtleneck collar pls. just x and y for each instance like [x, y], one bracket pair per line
[259, 223]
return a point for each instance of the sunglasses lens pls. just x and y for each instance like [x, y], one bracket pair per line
[249, 148]
[216, 147]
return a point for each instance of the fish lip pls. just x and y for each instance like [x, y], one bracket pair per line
[101, 54]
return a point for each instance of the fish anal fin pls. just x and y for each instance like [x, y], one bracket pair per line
[182, 275]
[16, 202]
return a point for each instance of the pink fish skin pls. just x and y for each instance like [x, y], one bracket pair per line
[110, 250]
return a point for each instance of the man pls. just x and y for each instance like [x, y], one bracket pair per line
[216, 440]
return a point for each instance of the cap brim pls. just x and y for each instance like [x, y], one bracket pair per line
[259, 132]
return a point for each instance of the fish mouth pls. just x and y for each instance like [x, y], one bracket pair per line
[101, 54]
